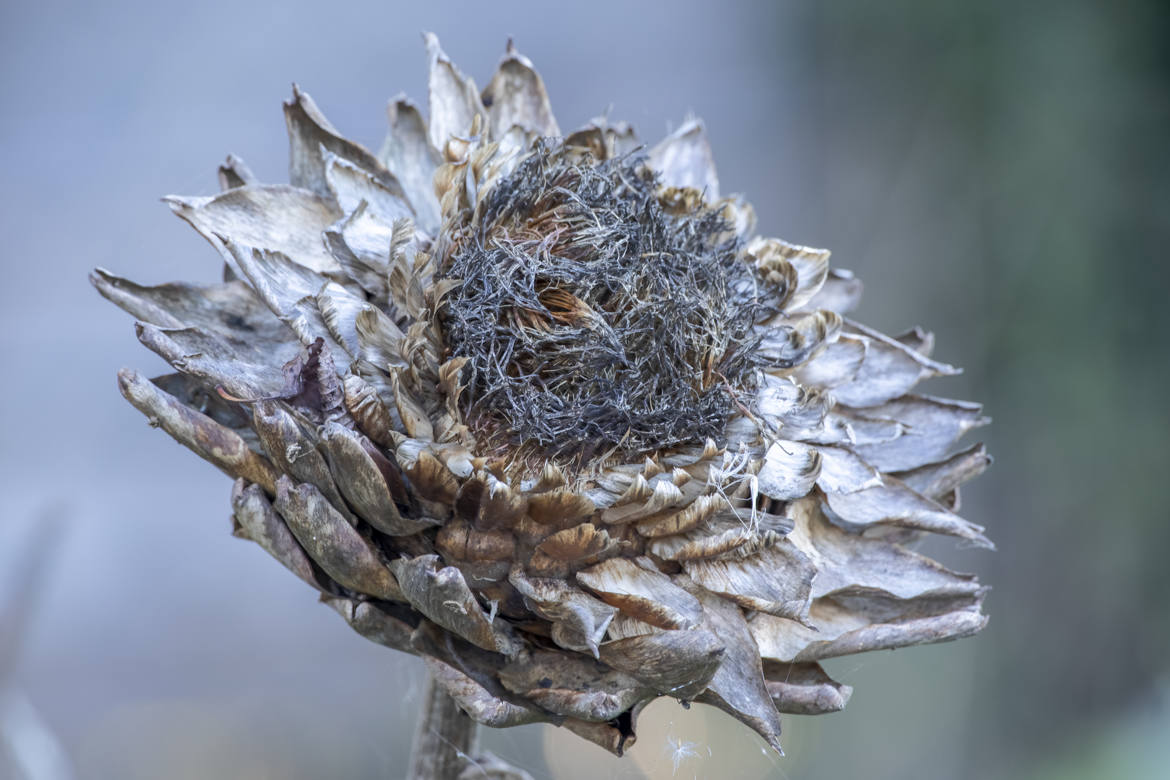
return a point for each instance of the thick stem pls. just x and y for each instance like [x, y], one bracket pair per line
[445, 737]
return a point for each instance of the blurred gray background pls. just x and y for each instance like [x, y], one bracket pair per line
[998, 172]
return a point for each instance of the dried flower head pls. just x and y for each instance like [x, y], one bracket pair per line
[542, 410]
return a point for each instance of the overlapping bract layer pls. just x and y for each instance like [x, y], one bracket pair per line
[719, 571]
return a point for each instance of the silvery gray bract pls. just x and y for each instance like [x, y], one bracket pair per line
[567, 585]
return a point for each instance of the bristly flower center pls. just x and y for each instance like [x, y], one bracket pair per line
[598, 310]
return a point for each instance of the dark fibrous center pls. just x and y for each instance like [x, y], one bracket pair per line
[598, 310]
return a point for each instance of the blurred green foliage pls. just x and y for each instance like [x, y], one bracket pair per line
[1027, 147]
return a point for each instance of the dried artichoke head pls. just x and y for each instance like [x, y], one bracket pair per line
[543, 410]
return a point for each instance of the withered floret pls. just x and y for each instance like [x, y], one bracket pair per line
[597, 311]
